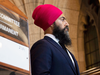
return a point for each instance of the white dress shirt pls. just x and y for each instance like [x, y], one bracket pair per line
[57, 41]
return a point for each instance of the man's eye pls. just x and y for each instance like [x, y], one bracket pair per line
[62, 19]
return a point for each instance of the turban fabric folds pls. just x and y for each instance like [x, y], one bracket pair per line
[45, 15]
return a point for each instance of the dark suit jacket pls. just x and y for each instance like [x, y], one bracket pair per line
[48, 58]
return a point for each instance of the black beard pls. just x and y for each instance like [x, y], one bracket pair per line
[62, 35]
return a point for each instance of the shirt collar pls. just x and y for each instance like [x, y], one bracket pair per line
[52, 37]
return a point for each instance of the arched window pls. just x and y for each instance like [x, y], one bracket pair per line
[91, 47]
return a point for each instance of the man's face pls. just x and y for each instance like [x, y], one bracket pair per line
[61, 29]
[61, 22]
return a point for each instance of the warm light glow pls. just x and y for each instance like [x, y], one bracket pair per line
[0, 44]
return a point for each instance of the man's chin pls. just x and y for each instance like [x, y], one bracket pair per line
[66, 32]
[66, 29]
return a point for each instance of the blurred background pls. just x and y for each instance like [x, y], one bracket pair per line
[83, 17]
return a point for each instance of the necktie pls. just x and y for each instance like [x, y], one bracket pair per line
[62, 45]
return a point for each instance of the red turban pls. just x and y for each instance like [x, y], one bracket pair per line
[45, 15]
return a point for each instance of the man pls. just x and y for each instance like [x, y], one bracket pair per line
[49, 55]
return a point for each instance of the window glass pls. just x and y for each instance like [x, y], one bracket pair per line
[92, 45]
[92, 53]
[96, 43]
[88, 59]
[93, 57]
[86, 36]
[97, 54]
[87, 48]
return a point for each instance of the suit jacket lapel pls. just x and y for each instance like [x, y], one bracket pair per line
[62, 51]
[76, 64]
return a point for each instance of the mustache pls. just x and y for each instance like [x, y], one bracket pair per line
[66, 28]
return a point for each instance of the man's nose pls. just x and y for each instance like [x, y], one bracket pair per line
[66, 23]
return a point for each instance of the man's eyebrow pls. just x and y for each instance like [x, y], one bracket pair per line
[63, 17]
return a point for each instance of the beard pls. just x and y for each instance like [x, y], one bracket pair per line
[62, 35]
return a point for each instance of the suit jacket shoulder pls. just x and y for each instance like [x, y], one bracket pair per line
[48, 58]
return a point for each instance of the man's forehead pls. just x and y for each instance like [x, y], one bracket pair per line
[62, 15]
